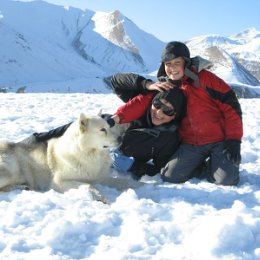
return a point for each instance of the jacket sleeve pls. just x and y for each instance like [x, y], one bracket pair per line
[228, 104]
[134, 108]
[128, 85]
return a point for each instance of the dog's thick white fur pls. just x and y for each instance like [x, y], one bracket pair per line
[79, 156]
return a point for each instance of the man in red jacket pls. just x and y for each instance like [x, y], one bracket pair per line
[212, 127]
[152, 136]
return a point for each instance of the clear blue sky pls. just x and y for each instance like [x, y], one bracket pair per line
[180, 19]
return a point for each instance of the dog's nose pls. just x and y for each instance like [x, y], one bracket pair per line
[119, 139]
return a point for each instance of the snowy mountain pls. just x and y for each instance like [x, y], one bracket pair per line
[42, 43]
[45, 47]
[236, 57]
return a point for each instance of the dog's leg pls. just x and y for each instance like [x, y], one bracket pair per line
[65, 185]
[5, 179]
[9, 177]
[16, 187]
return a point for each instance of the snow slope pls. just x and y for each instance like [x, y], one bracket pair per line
[159, 221]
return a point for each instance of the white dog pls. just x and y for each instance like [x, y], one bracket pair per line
[79, 156]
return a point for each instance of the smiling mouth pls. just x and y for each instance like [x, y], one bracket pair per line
[158, 118]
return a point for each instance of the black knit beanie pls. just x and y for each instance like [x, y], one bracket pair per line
[174, 50]
[177, 99]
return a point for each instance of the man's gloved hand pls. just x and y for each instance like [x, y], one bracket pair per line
[232, 151]
[109, 119]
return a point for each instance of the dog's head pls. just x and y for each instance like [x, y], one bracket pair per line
[94, 132]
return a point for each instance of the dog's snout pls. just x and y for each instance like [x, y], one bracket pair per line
[119, 139]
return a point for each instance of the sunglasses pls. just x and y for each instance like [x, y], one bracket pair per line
[157, 103]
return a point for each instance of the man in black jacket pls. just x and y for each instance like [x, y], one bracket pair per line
[153, 137]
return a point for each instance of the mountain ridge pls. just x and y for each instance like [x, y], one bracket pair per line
[67, 44]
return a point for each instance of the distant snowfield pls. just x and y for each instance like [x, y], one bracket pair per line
[67, 44]
[159, 221]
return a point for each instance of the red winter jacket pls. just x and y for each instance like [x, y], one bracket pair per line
[213, 111]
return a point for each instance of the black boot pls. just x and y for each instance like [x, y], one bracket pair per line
[140, 168]
[57, 132]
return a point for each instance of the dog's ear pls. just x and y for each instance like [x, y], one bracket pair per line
[83, 122]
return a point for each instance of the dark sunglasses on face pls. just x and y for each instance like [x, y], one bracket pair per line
[157, 103]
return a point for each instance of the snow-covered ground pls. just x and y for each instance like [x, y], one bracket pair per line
[159, 221]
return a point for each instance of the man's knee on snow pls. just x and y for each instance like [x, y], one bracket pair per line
[226, 178]
[173, 176]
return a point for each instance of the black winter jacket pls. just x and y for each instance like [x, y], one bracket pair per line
[143, 140]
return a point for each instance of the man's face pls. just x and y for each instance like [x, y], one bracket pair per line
[175, 68]
[157, 114]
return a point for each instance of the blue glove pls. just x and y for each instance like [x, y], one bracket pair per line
[109, 119]
[232, 151]
[121, 162]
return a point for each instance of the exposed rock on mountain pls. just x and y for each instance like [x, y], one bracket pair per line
[77, 50]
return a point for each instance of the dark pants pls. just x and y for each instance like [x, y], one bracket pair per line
[186, 161]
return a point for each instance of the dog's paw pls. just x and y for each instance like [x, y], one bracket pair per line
[96, 195]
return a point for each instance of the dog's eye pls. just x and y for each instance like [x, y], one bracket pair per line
[104, 130]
